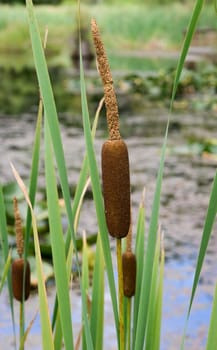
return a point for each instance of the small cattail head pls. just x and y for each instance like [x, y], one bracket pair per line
[20, 268]
[116, 187]
[129, 273]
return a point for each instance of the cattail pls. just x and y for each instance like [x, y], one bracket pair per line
[116, 187]
[20, 267]
[129, 273]
[115, 160]
[129, 267]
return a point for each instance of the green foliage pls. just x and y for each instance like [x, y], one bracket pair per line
[36, 2]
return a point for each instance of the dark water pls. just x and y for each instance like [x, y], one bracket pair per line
[187, 183]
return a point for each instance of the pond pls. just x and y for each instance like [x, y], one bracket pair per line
[187, 183]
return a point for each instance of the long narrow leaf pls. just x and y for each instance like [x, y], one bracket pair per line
[158, 311]
[212, 335]
[189, 34]
[150, 330]
[34, 174]
[97, 308]
[150, 252]
[5, 271]
[50, 110]
[57, 244]
[209, 222]
[140, 248]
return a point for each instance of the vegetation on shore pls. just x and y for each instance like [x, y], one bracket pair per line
[129, 24]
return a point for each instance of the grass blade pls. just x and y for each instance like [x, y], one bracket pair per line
[140, 246]
[212, 335]
[50, 109]
[189, 34]
[33, 175]
[5, 271]
[85, 280]
[150, 253]
[97, 309]
[150, 330]
[209, 222]
[158, 312]
[57, 244]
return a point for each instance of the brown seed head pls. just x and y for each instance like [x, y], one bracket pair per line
[129, 273]
[116, 187]
[18, 268]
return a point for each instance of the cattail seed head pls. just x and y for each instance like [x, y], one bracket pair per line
[129, 273]
[19, 267]
[116, 187]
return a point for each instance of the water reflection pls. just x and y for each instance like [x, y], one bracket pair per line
[185, 195]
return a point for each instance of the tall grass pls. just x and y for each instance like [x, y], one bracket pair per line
[142, 315]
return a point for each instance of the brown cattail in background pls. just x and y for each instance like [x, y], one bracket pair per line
[20, 267]
[115, 161]
[129, 267]
[129, 273]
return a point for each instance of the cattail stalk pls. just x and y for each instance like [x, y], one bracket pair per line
[115, 160]
[120, 293]
[115, 169]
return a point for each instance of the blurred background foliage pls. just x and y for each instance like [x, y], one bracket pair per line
[55, 2]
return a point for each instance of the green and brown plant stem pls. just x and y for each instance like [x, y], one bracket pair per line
[21, 347]
[120, 293]
[128, 323]
[115, 171]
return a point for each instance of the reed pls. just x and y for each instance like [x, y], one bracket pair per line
[115, 169]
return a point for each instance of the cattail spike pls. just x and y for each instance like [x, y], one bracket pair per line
[129, 273]
[109, 92]
[18, 229]
[116, 187]
[20, 268]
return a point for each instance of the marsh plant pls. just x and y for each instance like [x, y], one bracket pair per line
[137, 297]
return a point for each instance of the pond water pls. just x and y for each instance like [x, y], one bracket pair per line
[187, 183]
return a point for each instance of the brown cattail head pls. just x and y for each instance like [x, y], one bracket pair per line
[18, 229]
[129, 273]
[19, 268]
[116, 187]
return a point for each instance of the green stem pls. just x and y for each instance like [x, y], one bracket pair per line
[128, 323]
[21, 325]
[120, 294]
